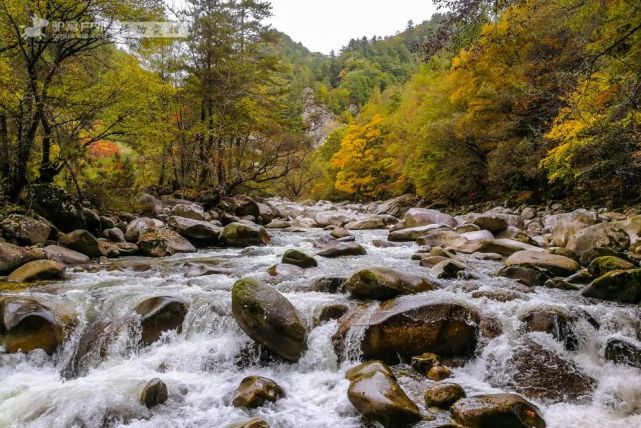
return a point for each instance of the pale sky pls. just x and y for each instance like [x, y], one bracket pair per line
[323, 25]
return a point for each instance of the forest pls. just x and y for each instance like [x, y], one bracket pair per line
[522, 100]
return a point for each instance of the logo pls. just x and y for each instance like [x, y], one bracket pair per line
[35, 31]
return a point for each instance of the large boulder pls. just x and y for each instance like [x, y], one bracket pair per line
[12, 256]
[254, 391]
[192, 211]
[25, 230]
[383, 284]
[412, 325]
[241, 205]
[343, 249]
[557, 265]
[136, 226]
[26, 325]
[114, 235]
[423, 217]
[163, 242]
[160, 314]
[604, 235]
[564, 226]
[377, 396]
[65, 255]
[83, 242]
[497, 410]
[244, 235]
[269, 318]
[602, 265]
[54, 204]
[618, 286]
[623, 352]
[398, 206]
[153, 393]
[539, 373]
[494, 222]
[441, 238]
[559, 323]
[199, 233]
[332, 218]
[299, 258]
[151, 206]
[38, 270]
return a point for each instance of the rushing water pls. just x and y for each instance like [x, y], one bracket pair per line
[200, 367]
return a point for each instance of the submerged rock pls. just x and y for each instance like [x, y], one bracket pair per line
[619, 286]
[412, 325]
[254, 391]
[153, 393]
[448, 269]
[622, 352]
[383, 283]
[160, 314]
[343, 249]
[244, 235]
[328, 312]
[377, 395]
[299, 258]
[497, 410]
[269, 318]
[38, 270]
[27, 324]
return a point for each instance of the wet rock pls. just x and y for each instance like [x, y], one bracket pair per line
[26, 325]
[438, 373]
[192, 211]
[65, 255]
[448, 269]
[38, 270]
[557, 265]
[343, 249]
[81, 241]
[379, 397]
[153, 393]
[383, 283]
[529, 276]
[114, 235]
[412, 325]
[565, 226]
[618, 286]
[539, 373]
[340, 232]
[423, 363]
[278, 224]
[604, 235]
[252, 423]
[286, 270]
[199, 233]
[331, 285]
[12, 256]
[269, 318]
[423, 217]
[429, 261]
[498, 295]
[413, 233]
[299, 258]
[443, 395]
[25, 230]
[163, 242]
[243, 235]
[328, 312]
[139, 225]
[602, 265]
[581, 277]
[54, 204]
[554, 321]
[254, 391]
[160, 314]
[622, 352]
[195, 270]
[368, 368]
[497, 410]
[127, 248]
[560, 284]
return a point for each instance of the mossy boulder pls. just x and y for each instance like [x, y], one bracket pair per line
[160, 314]
[54, 204]
[602, 265]
[383, 284]
[13, 256]
[38, 270]
[269, 318]
[379, 397]
[497, 410]
[604, 235]
[443, 395]
[27, 324]
[83, 242]
[163, 242]
[412, 325]
[299, 258]
[244, 235]
[254, 391]
[618, 286]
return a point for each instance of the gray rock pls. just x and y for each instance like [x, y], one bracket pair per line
[82, 241]
[12, 256]
[163, 242]
[25, 230]
[199, 233]
[65, 255]
[299, 258]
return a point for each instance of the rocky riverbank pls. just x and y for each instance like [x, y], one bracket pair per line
[478, 319]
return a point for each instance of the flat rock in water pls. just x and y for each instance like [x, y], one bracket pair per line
[497, 411]
[618, 286]
[38, 270]
[383, 283]
[557, 265]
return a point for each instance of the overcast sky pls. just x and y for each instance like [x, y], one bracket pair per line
[323, 25]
